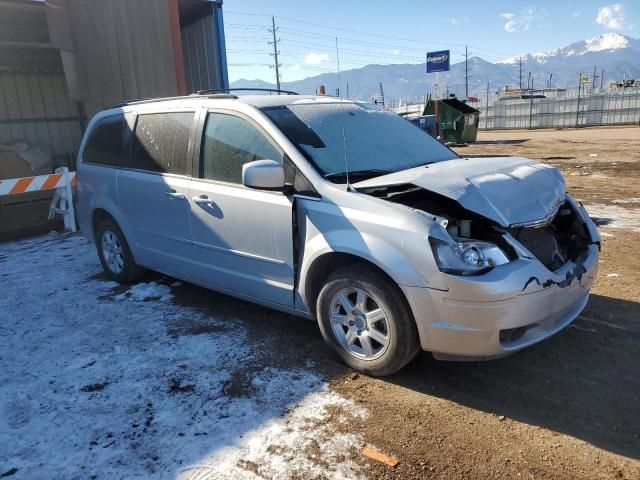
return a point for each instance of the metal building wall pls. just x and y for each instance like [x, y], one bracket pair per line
[114, 50]
[203, 48]
[37, 107]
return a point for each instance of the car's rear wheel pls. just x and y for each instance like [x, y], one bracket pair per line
[364, 317]
[115, 255]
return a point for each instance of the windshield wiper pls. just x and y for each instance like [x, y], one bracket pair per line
[369, 172]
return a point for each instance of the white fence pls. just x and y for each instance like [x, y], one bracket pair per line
[566, 110]
[562, 112]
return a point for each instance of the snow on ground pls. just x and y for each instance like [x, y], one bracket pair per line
[615, 216]
[95, 382]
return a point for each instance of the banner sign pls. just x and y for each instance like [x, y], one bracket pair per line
[438, 61]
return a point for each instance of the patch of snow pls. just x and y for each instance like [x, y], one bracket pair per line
[280, 448]
[614, 216]
[613, 275]
[146, 291]
[94, 384]
[624, 201]
[605, 42]
[514, 60]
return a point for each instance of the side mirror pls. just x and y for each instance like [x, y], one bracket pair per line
[263, 174]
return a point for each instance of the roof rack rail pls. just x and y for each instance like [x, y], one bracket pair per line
[226, 90]
[214, 93]
[139, 101]
[136, 101]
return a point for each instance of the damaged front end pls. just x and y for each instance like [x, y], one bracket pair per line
[466, 243]
[506, 287]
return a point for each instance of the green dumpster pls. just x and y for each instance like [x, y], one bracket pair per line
[458, 121]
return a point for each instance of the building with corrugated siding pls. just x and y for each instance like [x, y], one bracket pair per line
[61, 61]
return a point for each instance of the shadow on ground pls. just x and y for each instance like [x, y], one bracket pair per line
[501, 142]
[583, 382]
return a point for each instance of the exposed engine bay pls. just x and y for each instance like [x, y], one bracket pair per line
[561, 239]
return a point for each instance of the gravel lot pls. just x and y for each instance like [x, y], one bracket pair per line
[163, 379]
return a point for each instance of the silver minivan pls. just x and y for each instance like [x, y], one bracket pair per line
[341, 212]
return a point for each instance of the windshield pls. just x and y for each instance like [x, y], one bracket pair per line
[377, 141]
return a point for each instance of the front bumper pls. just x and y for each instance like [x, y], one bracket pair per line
[509, 308]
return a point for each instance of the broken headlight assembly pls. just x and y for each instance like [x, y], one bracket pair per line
[462, 256]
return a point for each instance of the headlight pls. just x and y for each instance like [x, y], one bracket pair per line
[466, 257]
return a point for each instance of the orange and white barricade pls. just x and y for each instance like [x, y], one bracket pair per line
[61, 181]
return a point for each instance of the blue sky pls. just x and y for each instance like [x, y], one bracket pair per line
[401, 31]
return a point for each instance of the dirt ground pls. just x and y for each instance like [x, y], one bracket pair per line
[566, 408]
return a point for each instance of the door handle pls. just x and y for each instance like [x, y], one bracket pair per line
[176, 195]
[201, 199]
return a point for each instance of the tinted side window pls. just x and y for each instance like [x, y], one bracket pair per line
[161, 142]
[229, 142]
[106, 142]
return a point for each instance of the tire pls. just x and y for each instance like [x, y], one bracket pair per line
[124, 269]
[392, 342]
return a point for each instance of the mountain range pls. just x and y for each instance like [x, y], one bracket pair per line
[618, 55]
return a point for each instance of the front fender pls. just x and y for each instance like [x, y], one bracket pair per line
[395, 261]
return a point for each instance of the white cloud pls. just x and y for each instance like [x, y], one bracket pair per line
[612, 16]
[520, 22]
[295, 67]
[395, 51]
[458, 21]
[316, 58]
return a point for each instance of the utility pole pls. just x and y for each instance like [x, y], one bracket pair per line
[486, 110]
[381, 94]
[530, 81]
[520, 76]
[275, 53]
[347, 89]
[578, 106]
[466, 72]
[487, 96]
[593, 81]
[601, 78]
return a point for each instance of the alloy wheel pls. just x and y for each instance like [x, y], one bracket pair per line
[112, 252]
[359, 323]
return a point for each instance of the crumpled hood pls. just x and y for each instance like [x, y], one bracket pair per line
[508, 190]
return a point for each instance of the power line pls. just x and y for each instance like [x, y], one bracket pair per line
[357, 32]
[295, 33]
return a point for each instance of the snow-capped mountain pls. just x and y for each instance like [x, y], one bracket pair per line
[609, 42]
[615, 54]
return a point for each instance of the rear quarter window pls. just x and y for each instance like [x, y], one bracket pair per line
[106, 142]
[161, 142]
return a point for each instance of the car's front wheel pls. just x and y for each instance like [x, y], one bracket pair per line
[115, 255]
[364, 317]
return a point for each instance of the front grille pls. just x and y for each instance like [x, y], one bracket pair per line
[562, 240]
